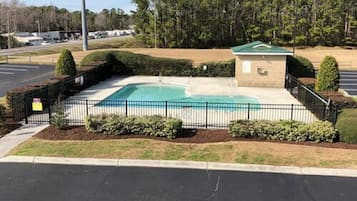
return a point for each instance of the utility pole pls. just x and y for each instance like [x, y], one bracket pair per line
[8, 29]
[155, 28]
[39, 28]
[84, 26]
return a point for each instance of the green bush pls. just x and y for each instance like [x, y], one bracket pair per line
[347, 126]
[328, 77]
[65, 64]
[2, 113]
[60, 118]
[120, 125]
[216, 69]
[127, 63]
[299, 66]
[318, 131]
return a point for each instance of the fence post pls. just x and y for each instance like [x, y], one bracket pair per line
[49, 109]
[292, 112]
[26, 112]
[206, 115]
[248, 111]
[126, 108]
[7, 59]
[87, 111]
[165, 108]
[30, 59]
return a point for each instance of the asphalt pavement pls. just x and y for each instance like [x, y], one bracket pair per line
[18, 75]
[19, 182]
[348, 82]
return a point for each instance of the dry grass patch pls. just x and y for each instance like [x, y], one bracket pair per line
[346, 58]
[230, 152]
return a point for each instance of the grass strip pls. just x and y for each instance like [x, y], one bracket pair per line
[231, 152]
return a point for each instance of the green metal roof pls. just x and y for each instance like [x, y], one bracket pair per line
[259, 48]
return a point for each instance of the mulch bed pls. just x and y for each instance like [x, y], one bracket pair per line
[8, 126]
[341, 100]
[188, 136]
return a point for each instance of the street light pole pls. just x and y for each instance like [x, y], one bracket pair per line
[84, 26]
[155, 28]
[39, 28]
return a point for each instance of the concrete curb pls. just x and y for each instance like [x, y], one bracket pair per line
[182, 165]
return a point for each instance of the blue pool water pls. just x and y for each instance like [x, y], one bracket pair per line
[155, 95]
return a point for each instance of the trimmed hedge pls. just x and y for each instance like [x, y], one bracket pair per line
[121, 125]
[318, 131]
[347, 126]
[216, 69]
[299, 66]
[127, 63]
[329, 77]
[65, 64]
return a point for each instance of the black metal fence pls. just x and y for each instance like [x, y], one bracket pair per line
[323, 108]
[193, 114]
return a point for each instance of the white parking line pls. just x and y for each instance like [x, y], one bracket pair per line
[14, 69]
[348, 83]
[19, 66]
[6, 73]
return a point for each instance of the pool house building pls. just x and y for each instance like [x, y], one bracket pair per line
[260, 65]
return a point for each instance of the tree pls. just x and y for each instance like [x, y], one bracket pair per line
[65, 64]
[328, 77]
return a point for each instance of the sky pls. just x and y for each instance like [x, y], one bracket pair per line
[94, 5]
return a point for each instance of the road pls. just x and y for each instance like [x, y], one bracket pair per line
[13, 51]
[348, 82]
[16, 75]
[19, 182]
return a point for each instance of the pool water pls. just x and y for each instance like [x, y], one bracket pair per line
[147, 94]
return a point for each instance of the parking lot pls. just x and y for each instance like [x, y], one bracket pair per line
[348, 82]
[16, 75]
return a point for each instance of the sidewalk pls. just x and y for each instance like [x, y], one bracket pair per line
[18, 136]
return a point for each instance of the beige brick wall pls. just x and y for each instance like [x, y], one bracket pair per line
[266, 71]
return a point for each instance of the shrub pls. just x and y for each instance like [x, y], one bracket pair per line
[346, 124]
[2, 113]
[216, 69]
[120, 125]
[65, 64]
[318, 131]
[127, 63]
[328, 77]
[60, 118]
[299, 66]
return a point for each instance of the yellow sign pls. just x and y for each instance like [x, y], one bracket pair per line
[37, 107]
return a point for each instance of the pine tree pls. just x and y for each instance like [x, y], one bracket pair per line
[65, 64]
[328, 77]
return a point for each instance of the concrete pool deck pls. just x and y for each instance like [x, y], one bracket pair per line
[194, 86]
[276, 104]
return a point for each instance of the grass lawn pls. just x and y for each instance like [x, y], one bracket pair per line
[230, 152]
[346, 58]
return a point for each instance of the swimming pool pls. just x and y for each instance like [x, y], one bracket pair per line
[163, 95]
